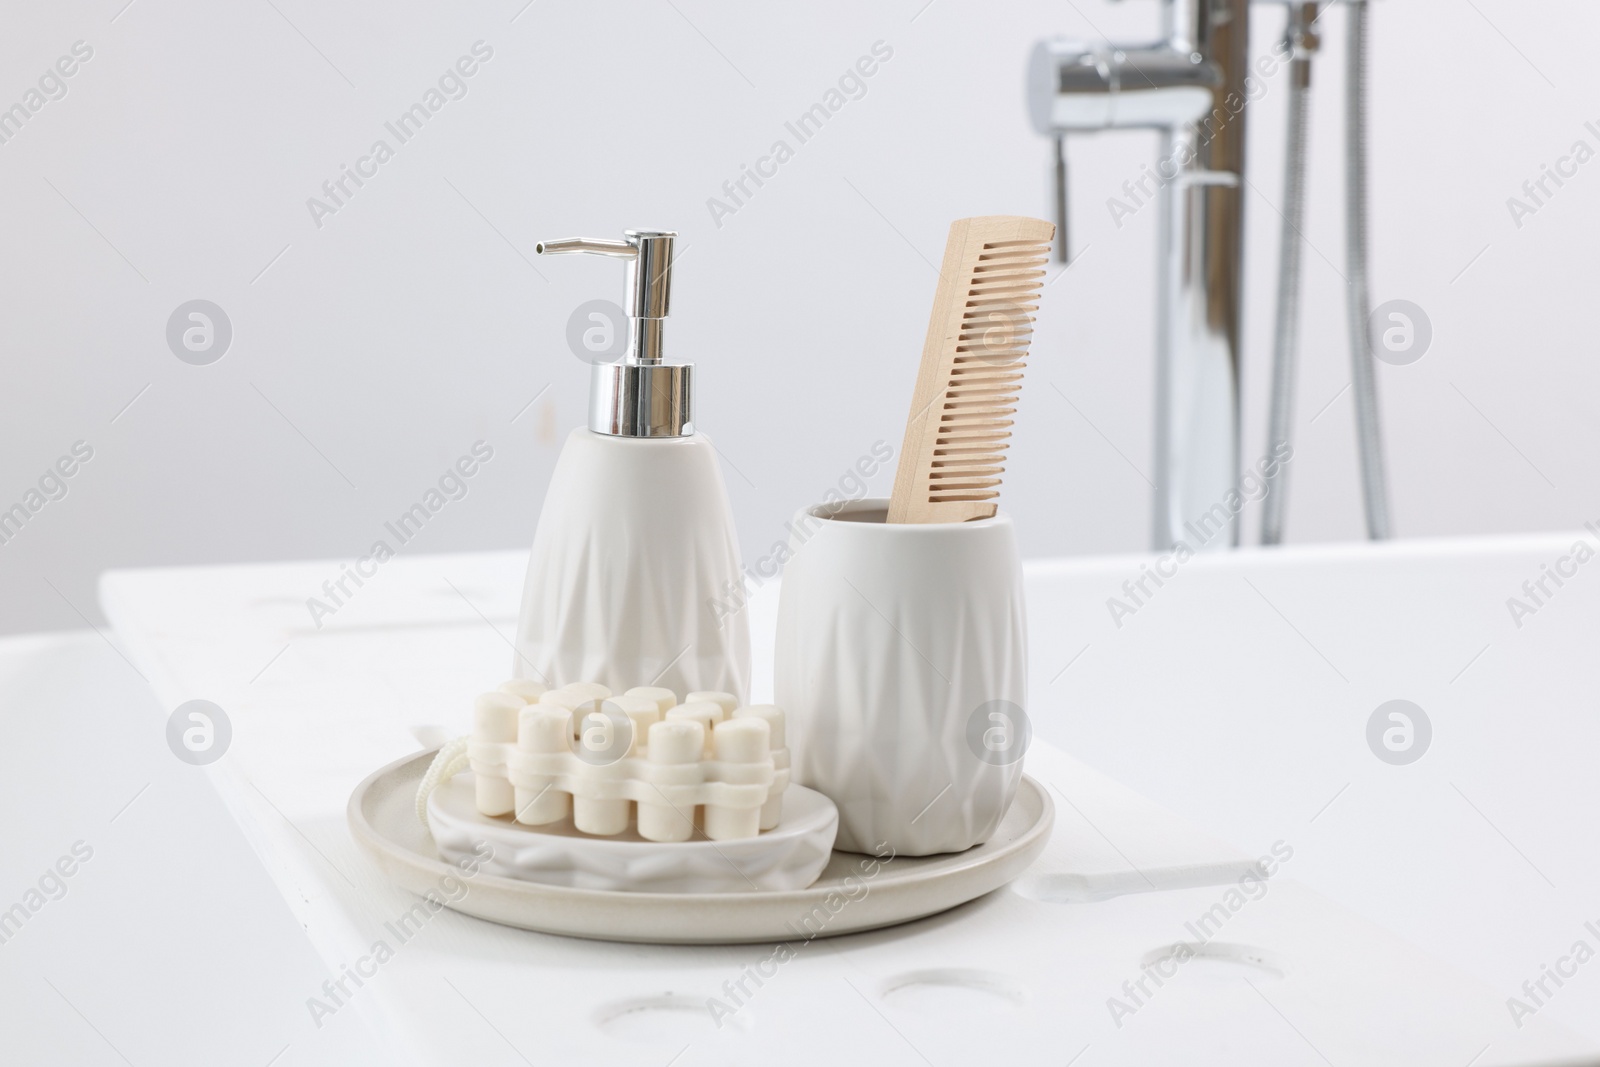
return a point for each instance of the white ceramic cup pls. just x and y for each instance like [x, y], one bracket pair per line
[902, 663]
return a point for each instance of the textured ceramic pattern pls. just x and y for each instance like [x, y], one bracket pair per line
[788, 857]
[891, 638]
[383, 820]
[634, 548]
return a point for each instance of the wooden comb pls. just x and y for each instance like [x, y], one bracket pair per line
[960, 424]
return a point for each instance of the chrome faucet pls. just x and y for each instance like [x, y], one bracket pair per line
[1181, 87]
[1191, 87]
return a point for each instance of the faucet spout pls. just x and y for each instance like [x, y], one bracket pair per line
[1190, 87]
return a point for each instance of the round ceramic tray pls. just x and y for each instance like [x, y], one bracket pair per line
[854, 892]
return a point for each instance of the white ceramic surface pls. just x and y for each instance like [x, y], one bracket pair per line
[853, 893]
[902, 661]
[403, 652]
[634, 550]
[789, 856]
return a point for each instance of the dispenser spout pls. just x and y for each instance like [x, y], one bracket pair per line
[641, 396]
[593, 245]
[648, 285]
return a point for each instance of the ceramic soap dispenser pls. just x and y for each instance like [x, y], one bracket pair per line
[635, 553]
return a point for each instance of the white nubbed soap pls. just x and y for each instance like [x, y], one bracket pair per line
[642, 713]
[495, 796]
[603, 735]
[544, 755]
[677, 741]
[665, 699]
[602, 731]
[702, 712]
[600, 743]
[737, 741]
[565, 696]
[494, 719]
[571, 698]
[529, 690]
[741, 741]
[673, 745]
[772, 715]
[544, 729]
[726, 701]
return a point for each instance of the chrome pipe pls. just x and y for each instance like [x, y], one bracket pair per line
[1191, 87]
[1063, 244]
[1364, 386]
[1301, 39]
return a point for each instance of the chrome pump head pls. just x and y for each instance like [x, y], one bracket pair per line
[639, 395]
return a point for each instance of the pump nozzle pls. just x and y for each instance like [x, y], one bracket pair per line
[641, 396]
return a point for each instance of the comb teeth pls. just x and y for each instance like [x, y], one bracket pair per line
[972, 363]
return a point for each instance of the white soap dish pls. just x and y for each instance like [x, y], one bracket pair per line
[854, 892]
[789, 856]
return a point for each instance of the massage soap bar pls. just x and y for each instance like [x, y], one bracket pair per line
[640, 757]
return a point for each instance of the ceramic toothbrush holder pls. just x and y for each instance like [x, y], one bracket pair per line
[902, 662]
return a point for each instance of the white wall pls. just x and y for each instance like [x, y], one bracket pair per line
[379, 347]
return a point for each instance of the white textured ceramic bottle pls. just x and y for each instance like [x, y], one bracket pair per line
[902, 663]
[635, 556]
[634, 552]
